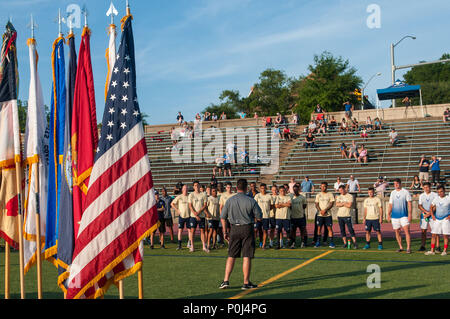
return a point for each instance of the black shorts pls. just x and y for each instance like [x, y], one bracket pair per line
[346, 221]
[227, 166]
[298, 222]
[281, 224]
[213, 224]
[183, 222]
[258, 225]
[268, 223]
[168, 222]
[162, 226]
[327, 221]
[373, 224]
[193, 222]
[242, 241]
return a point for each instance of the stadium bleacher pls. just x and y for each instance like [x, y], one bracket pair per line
[424, 136]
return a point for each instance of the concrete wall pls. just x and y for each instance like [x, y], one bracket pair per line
[311, 209]
[395, 114]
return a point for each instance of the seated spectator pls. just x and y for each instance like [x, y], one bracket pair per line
[355, 125]
[353, 151]
[269, 121]
[310, 141]
[312, 127]
[393, 137]
[416, 186]
[364, 134]
[223, 116]
[377, 124]
[369, 125]
[263, 121]
[242, 115]
[286, 133]
[278, 119]
[446, 116]
[343, 127]
[322, 129]
[276, 133]
[214, 117]
[343, 149]
[294, 118]
[363, 155]
[332, 124]
[255, 116]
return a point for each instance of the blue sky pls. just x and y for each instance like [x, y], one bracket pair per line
[188, 51]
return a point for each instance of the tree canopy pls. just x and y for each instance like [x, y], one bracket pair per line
[434, 80]
[330, 83]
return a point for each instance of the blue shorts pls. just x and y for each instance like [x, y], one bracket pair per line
[193, 223]
[213, 224]
[268, 223]
[327, 221]
[298, 222]
[375, 224]
[183, 222]
[258, 225]
[281, 224]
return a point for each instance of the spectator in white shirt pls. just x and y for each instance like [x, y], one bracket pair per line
[337, 184]
[353, 185]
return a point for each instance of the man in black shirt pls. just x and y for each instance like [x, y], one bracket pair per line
[310, 141]
[424, 166]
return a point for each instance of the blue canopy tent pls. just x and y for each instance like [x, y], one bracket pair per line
[400, 90]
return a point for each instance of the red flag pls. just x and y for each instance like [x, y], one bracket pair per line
[84, 128]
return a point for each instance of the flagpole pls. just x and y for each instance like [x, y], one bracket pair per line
[38, 211]
[121, 294]
[38, 233]
[141, 283]
[21, 258]
[7, 270]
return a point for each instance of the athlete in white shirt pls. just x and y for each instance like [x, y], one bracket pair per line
[425, 200]
[441, 219]
[399, 213]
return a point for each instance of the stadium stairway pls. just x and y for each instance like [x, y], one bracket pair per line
[428, 136]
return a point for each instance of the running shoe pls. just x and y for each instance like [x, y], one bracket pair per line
[367, 246]
[249, 286]
[224, 285]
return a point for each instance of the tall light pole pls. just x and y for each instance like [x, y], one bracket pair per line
[362, 90]
[393, 68]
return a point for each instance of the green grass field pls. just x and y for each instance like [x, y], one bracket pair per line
[340, 274]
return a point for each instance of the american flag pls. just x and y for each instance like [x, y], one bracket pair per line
[120, 204]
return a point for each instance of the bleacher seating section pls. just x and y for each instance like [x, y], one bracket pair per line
[422, 136]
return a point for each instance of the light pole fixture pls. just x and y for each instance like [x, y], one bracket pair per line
[393, 68]
[362, 90]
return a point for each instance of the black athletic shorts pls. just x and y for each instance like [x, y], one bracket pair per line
[242, 241]
[327, 221]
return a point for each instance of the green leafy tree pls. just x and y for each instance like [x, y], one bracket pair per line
[330, 83]
[434, 80]
[230, 103]
[271, 95]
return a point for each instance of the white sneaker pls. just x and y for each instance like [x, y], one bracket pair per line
[188, 244]
[430, 253]
[191, 249]
[206, 250]
[444, 253]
